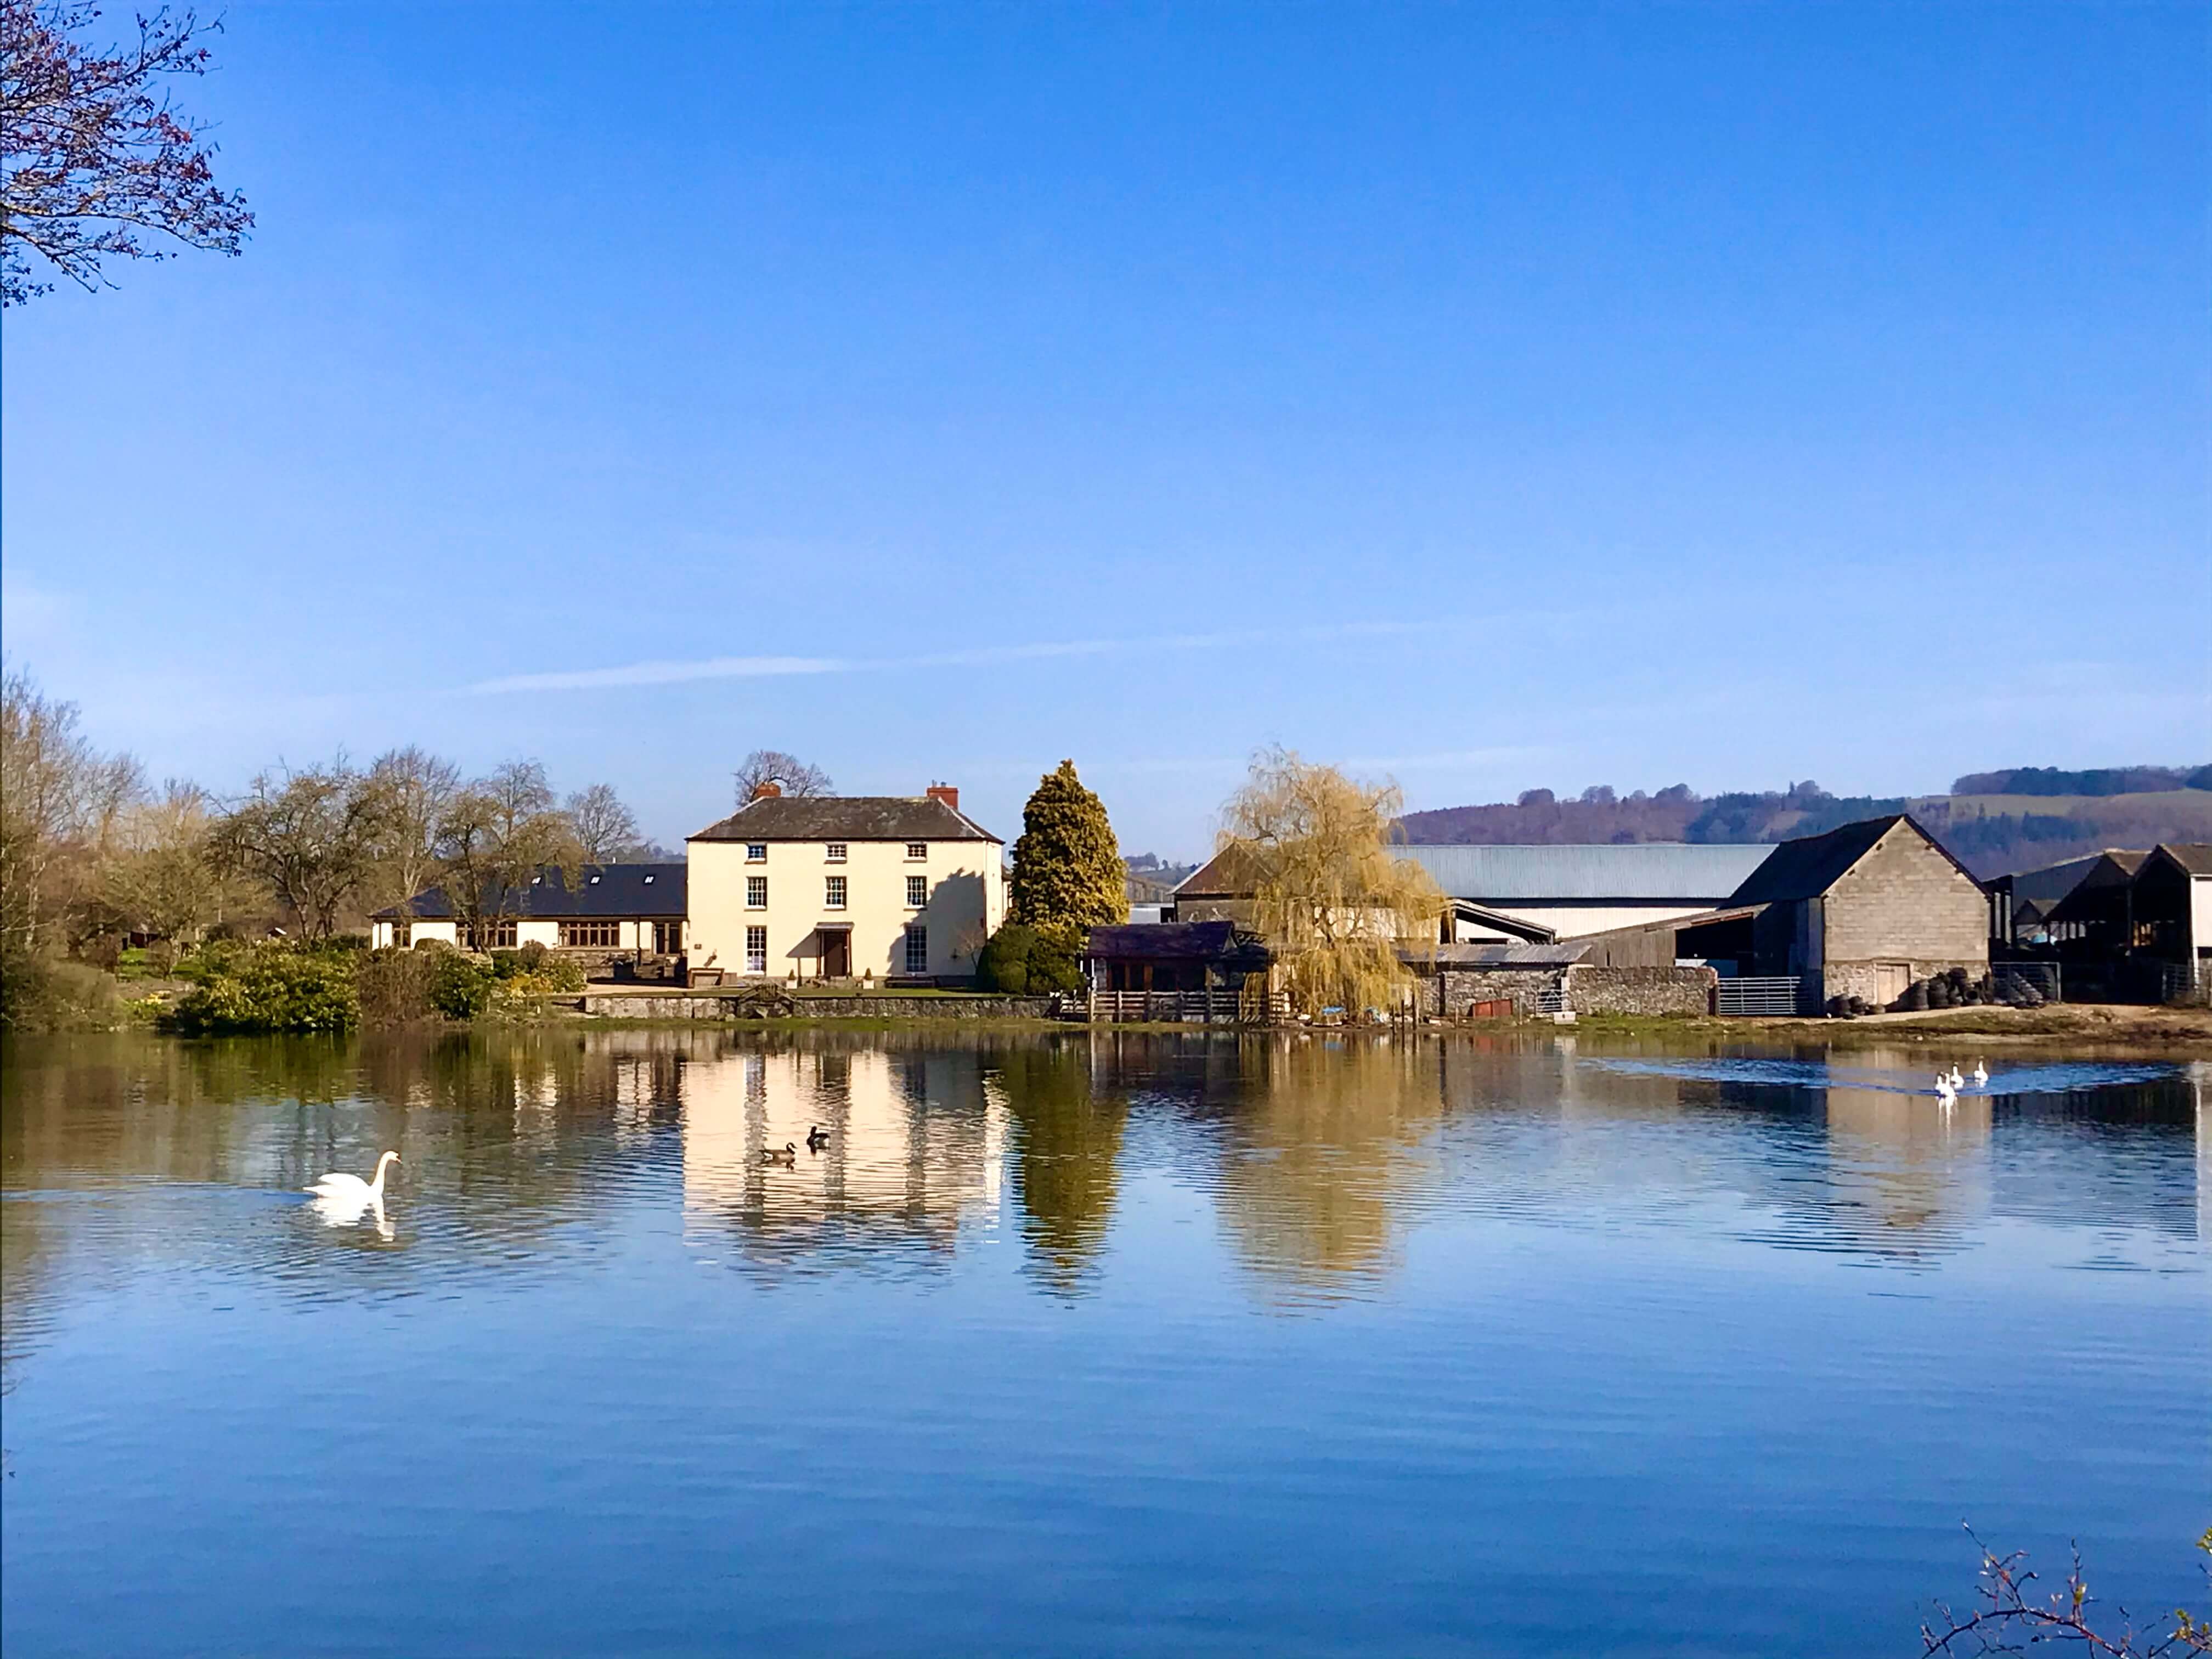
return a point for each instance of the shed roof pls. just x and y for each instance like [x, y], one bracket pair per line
[1168, 941]
[1653, 872]
[603, 891]
[1457, 956]
[845, 818]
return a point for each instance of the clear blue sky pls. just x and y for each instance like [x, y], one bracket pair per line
[1494, 397]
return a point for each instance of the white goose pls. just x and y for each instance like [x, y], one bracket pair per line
[343, 1188]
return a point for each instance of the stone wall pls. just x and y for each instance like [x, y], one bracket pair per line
[1861, 979]
[707, 1005]
[1461, 989]
[1640, 990]
[1905, 902]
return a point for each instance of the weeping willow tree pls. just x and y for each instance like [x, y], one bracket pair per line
[1333, 904]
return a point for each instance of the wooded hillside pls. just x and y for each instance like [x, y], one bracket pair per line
[1994, 822]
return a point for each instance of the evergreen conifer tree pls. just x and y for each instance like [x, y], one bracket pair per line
[1069, 873]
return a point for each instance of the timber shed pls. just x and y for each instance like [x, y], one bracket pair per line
[1864, 910]
[1173, 956]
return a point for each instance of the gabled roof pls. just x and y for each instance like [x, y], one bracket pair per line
[1810, 865]
[2053, 882]
[1166, 941]
[1682, 873]
[1232, 873]
[1519, 927]
[2193, 856]
[845, 818]
[603, 891]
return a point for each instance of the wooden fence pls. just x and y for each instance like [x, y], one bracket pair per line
[1217, 1007]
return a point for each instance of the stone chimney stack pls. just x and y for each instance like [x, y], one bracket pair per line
[766, 789]
[945, 793]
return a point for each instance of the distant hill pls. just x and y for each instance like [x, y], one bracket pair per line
[2007, 821]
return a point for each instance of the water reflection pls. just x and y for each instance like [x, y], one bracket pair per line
[542, 1153]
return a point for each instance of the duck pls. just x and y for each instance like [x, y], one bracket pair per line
[817, 1138]
[788, 1154]
[1981, 1074]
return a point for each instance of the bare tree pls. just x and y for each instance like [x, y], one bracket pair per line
[493, 844]
[2011, 1618]
[412, 790]
[95, 155]
[605, 829]
[792, 776]
[518, 791]
[311, 834]
[158, 877]
[59, 799]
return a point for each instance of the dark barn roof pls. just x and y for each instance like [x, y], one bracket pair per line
[1168, 941]
[1810, 865]
[2194, 856]
[845, 818]
[604, 890]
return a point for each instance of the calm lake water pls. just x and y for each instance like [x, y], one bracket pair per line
[1077, 1345]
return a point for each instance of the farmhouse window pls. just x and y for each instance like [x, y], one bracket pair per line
[667, 939]
[835, 851]
[591, 935]
[755, 852]
[833, 892]
[756, 892]
[917, 849]
[757, 950]
[917, 950]
[917, 891]
[495, 935]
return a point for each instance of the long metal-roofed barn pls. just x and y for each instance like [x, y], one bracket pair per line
[1570, 890]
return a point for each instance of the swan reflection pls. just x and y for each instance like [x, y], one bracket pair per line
[348, 1209]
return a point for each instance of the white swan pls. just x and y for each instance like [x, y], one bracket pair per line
[1958, 1081]
[1945, 1090]
[1981, 1075]
[351, 1188]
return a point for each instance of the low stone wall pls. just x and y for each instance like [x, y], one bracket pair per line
[1640, 990]
[1451, 992]
[707, 1004]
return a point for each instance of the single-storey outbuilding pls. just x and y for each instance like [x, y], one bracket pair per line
[616, 909]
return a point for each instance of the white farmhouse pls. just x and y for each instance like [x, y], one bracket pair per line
[895, 887]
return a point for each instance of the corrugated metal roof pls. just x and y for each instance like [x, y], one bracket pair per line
[1501, 955]
[1695, 873]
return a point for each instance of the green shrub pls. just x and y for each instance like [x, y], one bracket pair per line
[1024, 961]
[393, 987]
[45, 994]
[460, 985]
[505, 964]
[271, 987]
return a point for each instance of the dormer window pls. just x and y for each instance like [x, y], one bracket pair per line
[649, 881]
[835, 851]
[595, 881]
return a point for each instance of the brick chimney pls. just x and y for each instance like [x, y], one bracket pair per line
[945, 793]
[766, 789]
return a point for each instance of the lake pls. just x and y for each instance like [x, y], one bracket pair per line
[1080, 1344]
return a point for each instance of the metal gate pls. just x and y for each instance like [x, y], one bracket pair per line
[1772, 994]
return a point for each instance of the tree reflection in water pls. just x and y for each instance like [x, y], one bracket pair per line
[1067, 1139]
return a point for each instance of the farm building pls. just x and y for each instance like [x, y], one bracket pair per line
[1566, 893]
[616, 909]
[2035, 895]
[2173, 892]
[1864, 910]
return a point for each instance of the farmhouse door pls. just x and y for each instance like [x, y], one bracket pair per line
[836, 954]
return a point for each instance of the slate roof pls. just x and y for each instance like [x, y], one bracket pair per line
[1811, 865]
[1650, 871]
[604, 890]
[1459, 957]
[845, 818]
[1167, 941]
